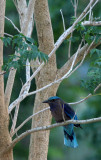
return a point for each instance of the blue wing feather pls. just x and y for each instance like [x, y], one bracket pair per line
[69, 111]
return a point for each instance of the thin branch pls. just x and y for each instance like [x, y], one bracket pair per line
[26, 91]
[75, 57]
[12, 24]
[63, 20]
[69, 48]
[90, 95]
[27, 75]
[75, 5]
[90, 13]
[2, 73]
[44, 128]
[72, 3]
[14, 119]
[29, 118]
[85, 54]
[8, 34]
[93, 23]
[89, 9]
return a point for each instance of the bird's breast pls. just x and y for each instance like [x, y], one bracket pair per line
[58, 114]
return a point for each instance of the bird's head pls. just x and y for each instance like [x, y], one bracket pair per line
[52, 100]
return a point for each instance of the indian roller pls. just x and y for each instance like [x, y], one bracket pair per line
[62, 111]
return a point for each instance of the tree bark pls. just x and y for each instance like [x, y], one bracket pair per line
[5, 139]
[39, 141]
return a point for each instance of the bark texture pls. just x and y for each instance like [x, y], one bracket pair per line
[5, 139]
[39, 141]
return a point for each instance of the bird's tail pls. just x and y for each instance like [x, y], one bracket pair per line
[69, 138]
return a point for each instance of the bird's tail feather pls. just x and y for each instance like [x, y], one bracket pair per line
[70, 139]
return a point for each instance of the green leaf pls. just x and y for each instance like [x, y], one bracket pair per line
[74, 39]
[92, 80]
[98, 51]
[27, 50]
[6, 40]
[73, 18]
[80, 27]
[44, 57]
[29, 40]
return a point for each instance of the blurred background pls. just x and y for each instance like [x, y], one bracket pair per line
[70, 90]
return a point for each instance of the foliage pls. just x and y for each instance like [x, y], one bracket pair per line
[92, 80]
[89, 34]
[93, 77]
[25, 48]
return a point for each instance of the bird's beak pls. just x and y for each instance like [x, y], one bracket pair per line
[46, 101]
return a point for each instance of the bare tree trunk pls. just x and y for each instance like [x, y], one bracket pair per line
[39, 141]
[5, 139]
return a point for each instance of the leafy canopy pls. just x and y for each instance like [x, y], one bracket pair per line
[89, 34]
[25, 48]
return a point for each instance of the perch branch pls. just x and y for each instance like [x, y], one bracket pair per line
[74, 103]
[44, 128]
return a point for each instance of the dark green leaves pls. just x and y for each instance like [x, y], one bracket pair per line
[93, 77]
[89, 33]
[73, 19]
[92, 80]
[74, 39]
[6, 40]
[95, 51]
[26, 48]
[80, 27]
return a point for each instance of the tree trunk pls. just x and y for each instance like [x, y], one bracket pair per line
[5, 139]
[39, 141]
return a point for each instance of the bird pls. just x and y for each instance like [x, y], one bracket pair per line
[62, 111]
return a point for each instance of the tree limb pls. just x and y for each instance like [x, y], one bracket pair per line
[66, 66]
[91, 23]
[44, 128]
[73, 103]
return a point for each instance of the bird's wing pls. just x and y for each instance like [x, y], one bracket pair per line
[71, 114]
[69, 111]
